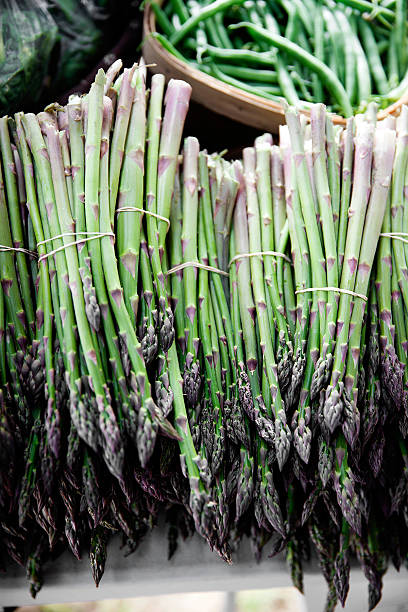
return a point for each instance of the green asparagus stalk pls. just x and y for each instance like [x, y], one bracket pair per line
[333, 406]
[131, 195]
[282, 436]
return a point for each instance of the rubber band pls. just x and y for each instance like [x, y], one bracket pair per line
[144, 212]
[336, 290]
[4, 249]
[256, 253]
[196, 264]
[396, 236]
[89, 236]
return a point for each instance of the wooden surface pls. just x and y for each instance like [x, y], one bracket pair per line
[194, 568]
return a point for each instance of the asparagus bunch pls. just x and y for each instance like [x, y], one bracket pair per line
[222, 342]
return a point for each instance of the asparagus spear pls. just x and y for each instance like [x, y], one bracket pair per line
[191, 377]
[333, 406]
[131, 195]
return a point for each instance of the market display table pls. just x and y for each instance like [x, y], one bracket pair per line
[194, 568]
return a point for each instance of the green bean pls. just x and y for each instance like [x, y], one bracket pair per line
[180, 9]
[299, 82]
[329, 78]
[398, 91]
[201, 36]
[293, 25]
[168, 46]
[239, 55]
[304, 41]
[318, 51]
[162, 19]
[382, 46]
[363, 69]
[371, 51]
[400, 30]
[337, 40]
[305, 17]
[275, 90]
[241, 85]
[392, 60]
[364, 6]
[222, 31]
[284, 79]
[249, 74]
[205, 13]
[350, 57]
[212, 32]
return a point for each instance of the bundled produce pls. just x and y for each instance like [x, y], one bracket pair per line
[343, 53]
[220, 341]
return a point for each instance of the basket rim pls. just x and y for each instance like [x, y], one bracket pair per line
[149, 28]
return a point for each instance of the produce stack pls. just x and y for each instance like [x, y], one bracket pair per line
[222, 342]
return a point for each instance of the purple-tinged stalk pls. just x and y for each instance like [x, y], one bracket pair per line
[383, 157]
[16, 227]
[223, 193]
[131, 194]
[346, 184]
[52, 422]
[111, 74]
[393, 374]
[57, 204]
[307, 334]
[161, 168]
[390, 374]
[240, 426]
[176, 102]
[401, 348]
[268, 508]
[66, 158]
[342, 565]
[214, 447]
[221, 329]
[3, 371]
[248, 382]
[324, 199]
[306, 307]
[76, 141]
[333, 406]
[123, 111]
[15, 321]
[281, 236]
[149, 417]
[148, 313]
[191, 376]
[176, 257]
[333, 137]
[154, 120]
[212, 450]
[218, 290]
[284, 351]
[370, 412]
[308, 207]
[269, 367]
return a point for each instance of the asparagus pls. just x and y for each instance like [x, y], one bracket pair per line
[131, 195]
[359, 199]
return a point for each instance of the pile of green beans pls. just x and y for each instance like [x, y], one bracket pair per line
[344, 53]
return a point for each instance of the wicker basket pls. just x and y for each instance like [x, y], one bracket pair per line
[220, 97]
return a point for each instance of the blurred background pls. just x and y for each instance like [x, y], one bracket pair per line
[268, 600]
